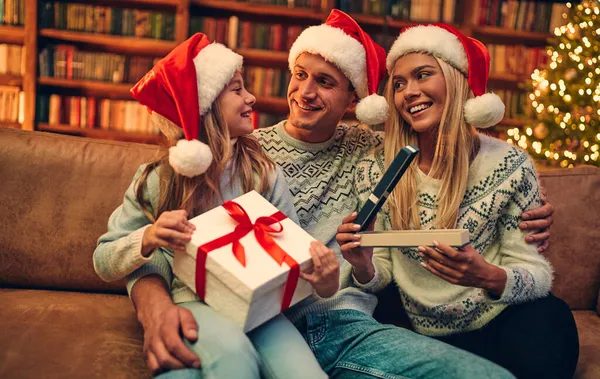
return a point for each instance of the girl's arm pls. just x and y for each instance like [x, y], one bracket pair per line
[119, 250]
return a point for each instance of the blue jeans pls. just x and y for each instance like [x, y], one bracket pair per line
[350, 344]
[273, 350]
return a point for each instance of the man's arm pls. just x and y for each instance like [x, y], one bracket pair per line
[538, 221]
[163, 322]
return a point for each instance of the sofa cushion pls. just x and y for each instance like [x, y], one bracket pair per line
[588, 325]
[57, 194]
[60, 334]
[575, 234]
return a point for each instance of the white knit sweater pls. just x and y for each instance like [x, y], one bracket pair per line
[502, 183]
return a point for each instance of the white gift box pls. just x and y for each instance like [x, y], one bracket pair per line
[252, 294]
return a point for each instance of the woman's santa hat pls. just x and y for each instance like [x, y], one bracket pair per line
[467, 54]
[342, 42]
[182, 87]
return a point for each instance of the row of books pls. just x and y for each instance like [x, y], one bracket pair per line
[67, 62]
[515, 102]
[246, 34]
[529, 15]
[319, 5]
[12, 12]
[94, 113]
[107, 20]
[415, 10]
[516, 59]
[261, 81]
[12, 59]
[11, 104]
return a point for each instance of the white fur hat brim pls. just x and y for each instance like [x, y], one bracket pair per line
[432, 40]
[190, 158]
[484, 111]
[336, 47]
[215, 65]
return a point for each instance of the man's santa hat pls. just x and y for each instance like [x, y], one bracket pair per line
[342, 42]
[467, 54]
[182, 88]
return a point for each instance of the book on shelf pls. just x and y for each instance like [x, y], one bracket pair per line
[11, 104]
[12, 12]
[516, 59]
[94, 113]
[12, 59]
[264, 120]
[534, 16]
[107, 20]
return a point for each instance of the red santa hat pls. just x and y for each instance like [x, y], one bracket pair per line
[342, 42]
[467, 54]
[182, 87]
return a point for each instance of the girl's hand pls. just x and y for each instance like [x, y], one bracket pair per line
[464, 267]
[361, 259]
[325, 273]
[171, 231]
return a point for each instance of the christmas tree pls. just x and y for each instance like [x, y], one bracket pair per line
[565, 101]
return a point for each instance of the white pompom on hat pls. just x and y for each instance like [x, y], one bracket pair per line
[341, 41]
[182, 87]
[467, 54]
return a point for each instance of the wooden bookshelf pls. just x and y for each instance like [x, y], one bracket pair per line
[30, 36]
[7, 124]
[115, 91]
[12, 34]
[11, 80]
[100, 133]
[277, 11]
[113, 43]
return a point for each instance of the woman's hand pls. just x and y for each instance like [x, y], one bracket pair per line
[464, 267]
[324, 275]
[171, 231]
[361, 259]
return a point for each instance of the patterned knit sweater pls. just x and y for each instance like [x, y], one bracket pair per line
[502, 183]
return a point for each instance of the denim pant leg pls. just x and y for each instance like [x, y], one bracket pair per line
[351, 344]
[224, 350]
[283, 351]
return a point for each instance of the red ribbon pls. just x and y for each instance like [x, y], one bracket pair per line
[262, 231]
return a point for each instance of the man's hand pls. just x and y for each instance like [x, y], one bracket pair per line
[164, 323]
[538, 221]
[361, 259]
[325, 273]
[164, 349]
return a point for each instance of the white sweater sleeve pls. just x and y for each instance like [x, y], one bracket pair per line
[529, 274]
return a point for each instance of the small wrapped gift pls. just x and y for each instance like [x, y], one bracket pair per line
[245, 259]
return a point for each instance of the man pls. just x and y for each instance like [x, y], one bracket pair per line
[335, 67]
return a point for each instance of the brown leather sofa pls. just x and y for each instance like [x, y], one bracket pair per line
[59, 320]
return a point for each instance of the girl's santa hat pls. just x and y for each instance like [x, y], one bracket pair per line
[182, 88]
[342, 42]
[467, 54]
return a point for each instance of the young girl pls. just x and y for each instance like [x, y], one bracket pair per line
[197, 91]
[492, 296]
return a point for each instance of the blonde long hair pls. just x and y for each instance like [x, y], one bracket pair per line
[456, 146]
[196, 195]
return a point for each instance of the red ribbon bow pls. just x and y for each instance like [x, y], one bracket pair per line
[262, 229]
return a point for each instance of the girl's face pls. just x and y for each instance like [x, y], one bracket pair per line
[236, 105]
[419, 91]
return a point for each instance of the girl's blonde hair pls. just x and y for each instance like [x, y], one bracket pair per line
[456, 146]
[248, 162]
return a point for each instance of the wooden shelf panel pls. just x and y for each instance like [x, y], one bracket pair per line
[307, 14]
[372, 20]
[12, 34]
[112, 43]
[116, 135]
[511, 35]
[266, 58]
[136, 3]
[511, 123]
[11, 80]
[90, 87]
